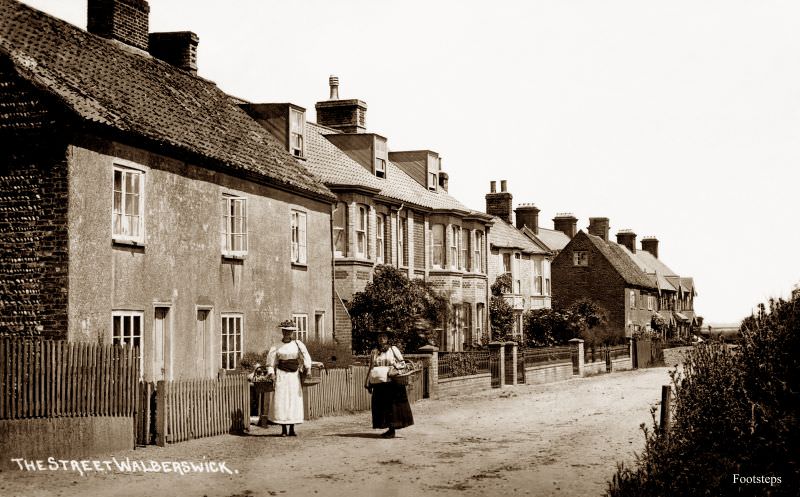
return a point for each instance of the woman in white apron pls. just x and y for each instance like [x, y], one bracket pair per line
[285, 361]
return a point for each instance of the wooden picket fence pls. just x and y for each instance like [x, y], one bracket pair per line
[342, 390]
[49, 378]
[189, 409]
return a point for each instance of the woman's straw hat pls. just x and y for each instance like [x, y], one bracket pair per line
[287, 325]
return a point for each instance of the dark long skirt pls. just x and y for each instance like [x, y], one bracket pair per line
[390, 407]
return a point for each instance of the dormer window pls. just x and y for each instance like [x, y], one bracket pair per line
[432, 181]
[433, 170]
[297, 126]
[380, 157]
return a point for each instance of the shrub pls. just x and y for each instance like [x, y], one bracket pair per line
[735, 412]
[501, 314]
[392, 300]
[331, 354]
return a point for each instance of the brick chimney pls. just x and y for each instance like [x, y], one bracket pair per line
[127, 21]
[599, 226]
[628, 239]
[499, 204]
[527, 215]
[650, 244]
[178, 48]
[347, 116]
[566, 223]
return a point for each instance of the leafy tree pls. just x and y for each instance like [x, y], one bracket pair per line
[501, 314]
[391, 300]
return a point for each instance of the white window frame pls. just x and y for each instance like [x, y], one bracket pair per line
[362, 231]
[125, 225]
[340, 238]
[515, 273]
[380, 236]
[506, 262]
[380, 157]
[580, 258]
[228, 233]
[432, 181]
[301, 322]
[480, 310]
[538, 277]
[437, 249]
[650, 302]
[299, 224]
[297, 132]
[129, 340]
[230, 358]
[632, 300]
[466, 242]
[455, 244]
[477, 264]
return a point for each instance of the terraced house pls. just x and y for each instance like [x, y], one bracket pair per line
[140, 204]
[392, 208]
[633, 286]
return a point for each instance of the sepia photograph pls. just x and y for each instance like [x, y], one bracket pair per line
[556, 259]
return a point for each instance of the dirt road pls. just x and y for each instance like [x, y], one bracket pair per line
[558, 439]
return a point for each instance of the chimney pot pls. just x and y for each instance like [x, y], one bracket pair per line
[493, 186]
[333, 81]
[499, 203]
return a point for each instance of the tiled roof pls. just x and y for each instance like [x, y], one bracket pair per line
[651, 266]
[336, 168]
[503, 235]
[128, 91]
[655, 265]
[554, 239]
[622, 262]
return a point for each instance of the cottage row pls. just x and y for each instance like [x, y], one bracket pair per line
[141, 204]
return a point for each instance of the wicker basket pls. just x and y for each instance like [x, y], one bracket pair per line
[405, 379]
[314, 376]
[263, 386]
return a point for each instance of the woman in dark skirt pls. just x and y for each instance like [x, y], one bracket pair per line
[390, 407]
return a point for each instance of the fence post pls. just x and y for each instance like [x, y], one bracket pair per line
[577, 356]
[514, 363]
[608, 359]
[433, 369]
[161, 413]
[498, 352]
[634, 354]
[666, 394]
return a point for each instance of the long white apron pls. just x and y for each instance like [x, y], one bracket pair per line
[286, 402]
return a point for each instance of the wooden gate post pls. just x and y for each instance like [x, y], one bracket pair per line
[161, 413]
[666, 394]
[497, 355]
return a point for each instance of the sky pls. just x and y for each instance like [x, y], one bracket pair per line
[676, 119]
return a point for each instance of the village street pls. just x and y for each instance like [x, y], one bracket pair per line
[556, 439]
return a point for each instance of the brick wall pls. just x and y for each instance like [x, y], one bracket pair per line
[342, 326]
[464, 385]
[598, 281]
[33, 238]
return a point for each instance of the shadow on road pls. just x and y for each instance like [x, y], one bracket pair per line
[356, 435]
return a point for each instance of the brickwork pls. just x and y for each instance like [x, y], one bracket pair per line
[342, 326]
[499, 204]
[177, 48]
[33, 239]
[123, 20]
[598, 281]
